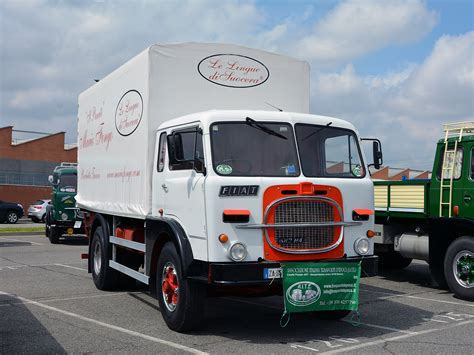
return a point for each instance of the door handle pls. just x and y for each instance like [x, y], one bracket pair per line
[467, 198]
[165, 188]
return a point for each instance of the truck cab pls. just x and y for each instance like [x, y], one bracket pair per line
[61, 215]
[433, 220]
[227, 177]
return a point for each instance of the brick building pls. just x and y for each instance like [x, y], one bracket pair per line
[25, 166]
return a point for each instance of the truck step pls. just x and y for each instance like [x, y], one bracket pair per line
[129, 272]
[128, 243]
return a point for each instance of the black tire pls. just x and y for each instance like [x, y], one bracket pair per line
[392, 261]
[47, 228]
[104, 277]
[459, 278]
[43, 218]
[12, 217]
[184, 312]
[331, 315]
[54, 234]
[35, 220]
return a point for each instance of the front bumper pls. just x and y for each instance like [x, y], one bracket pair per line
[35, 214]
[253, 273]
[64, 225]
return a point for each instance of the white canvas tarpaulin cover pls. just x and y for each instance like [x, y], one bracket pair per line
[119, 115]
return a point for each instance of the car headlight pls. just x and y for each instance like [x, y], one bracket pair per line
[64, 217]
[362, 246]
[237, 251]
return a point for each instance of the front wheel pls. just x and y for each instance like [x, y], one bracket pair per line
[459, 267]
[54, 234]
[180, 299]
[12, 217]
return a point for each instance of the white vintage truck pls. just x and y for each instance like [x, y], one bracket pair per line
[200, 171]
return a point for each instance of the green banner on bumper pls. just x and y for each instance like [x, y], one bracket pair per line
[321, 286]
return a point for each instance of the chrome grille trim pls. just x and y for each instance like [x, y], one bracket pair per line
[297, 225]
[308, 250]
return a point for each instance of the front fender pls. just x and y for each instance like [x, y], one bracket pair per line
[158, 231]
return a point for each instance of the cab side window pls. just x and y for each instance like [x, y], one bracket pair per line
[472, 163]
[454, 161]
[185, 150]
[161, 152]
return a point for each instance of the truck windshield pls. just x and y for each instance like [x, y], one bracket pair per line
[68, 183]
[254, 149]
[327, 151]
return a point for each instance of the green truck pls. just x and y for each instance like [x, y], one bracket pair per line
[62, 216]
[433, 219]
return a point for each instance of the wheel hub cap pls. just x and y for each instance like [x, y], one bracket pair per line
[170, 286]
[97, 259]
[463, 266]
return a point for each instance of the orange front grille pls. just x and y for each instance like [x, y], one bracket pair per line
[307, 204]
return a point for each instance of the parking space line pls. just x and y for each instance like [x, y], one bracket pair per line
[110, 326]
[378, 326]
[403, 295]
[71, 267]
[346, 321]
[50, 300]
[398, 337]
[18, 240]
[440, 301]
[295, 346]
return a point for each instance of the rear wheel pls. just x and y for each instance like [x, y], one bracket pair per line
[12, 217]
[180, 299]
[105, 278]
[459, 267]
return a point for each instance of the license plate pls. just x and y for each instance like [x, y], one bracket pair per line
[77, 224]
[272, 273]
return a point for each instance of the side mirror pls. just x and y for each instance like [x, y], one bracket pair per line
[377, 152]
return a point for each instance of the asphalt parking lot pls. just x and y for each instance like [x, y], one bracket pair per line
[49, 304]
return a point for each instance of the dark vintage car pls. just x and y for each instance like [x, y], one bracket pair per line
[10, 212]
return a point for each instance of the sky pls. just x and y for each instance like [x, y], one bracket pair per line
[396, 69]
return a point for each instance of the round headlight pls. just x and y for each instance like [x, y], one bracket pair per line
[64, 216]
[362, 246]
[237, 251]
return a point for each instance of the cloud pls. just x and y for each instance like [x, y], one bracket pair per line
[357, 27]
[406, 109]
[51, 51]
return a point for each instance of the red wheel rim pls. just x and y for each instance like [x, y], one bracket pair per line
[170, 286]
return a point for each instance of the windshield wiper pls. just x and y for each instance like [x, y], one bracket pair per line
[318, 130]
[252, 123]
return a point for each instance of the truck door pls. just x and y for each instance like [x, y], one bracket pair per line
[458, 162]
[468, 191]
[183, 184]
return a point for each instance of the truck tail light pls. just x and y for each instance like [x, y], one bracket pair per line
[456, 211]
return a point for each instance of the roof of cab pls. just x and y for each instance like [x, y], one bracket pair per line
[211, 116]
